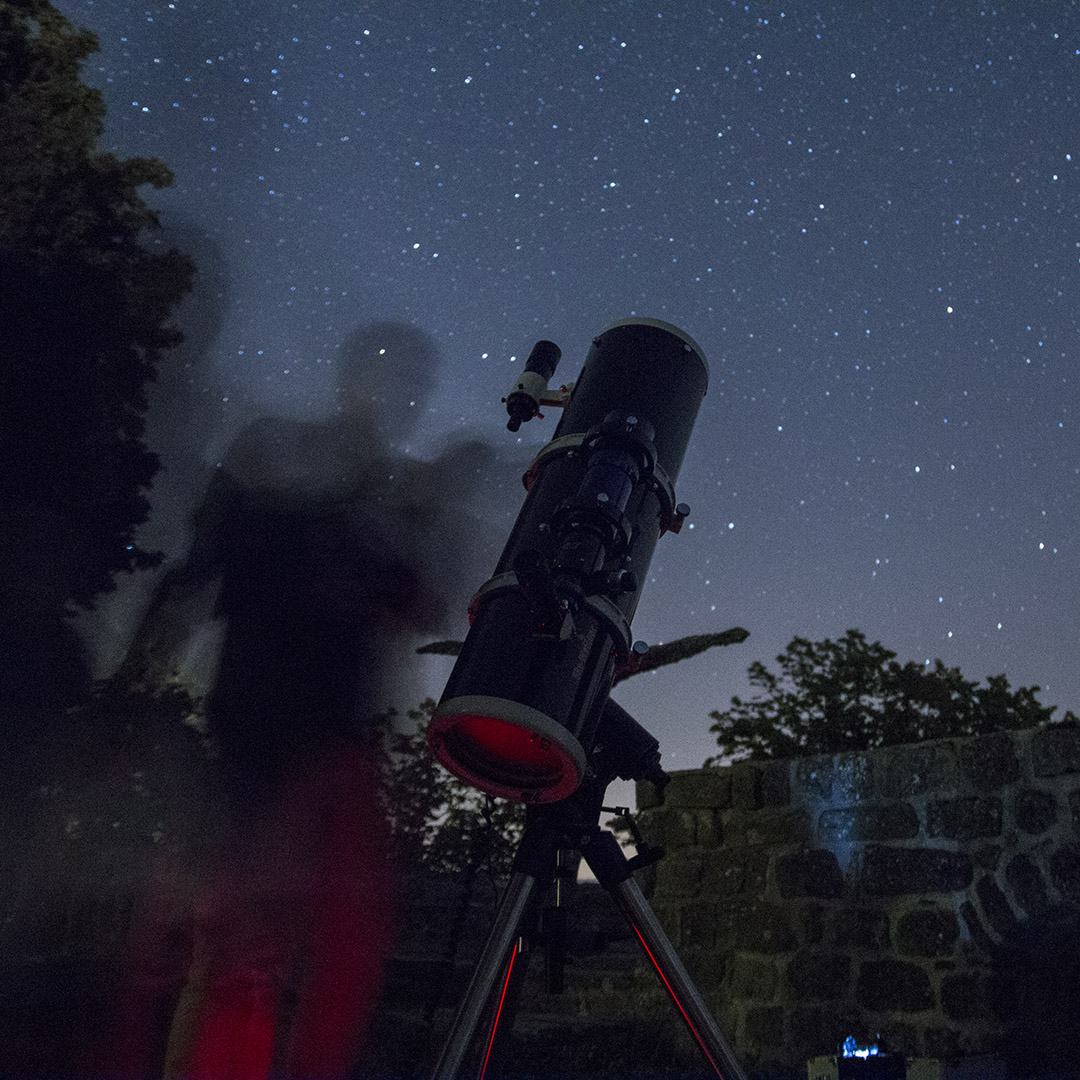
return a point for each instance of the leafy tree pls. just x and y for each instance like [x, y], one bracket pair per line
[84, 310]
[849, 694]
[438, 821]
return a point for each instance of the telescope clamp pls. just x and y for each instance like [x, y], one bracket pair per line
[598, 605]
[672, 514]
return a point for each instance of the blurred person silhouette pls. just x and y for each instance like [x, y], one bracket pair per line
[328, 548]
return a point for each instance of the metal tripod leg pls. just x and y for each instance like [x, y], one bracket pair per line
[535, 860]
[609, 864]
[492, 960]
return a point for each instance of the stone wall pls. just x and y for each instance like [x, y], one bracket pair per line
[929, 893]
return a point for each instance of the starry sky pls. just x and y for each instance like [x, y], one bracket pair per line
[865, 213]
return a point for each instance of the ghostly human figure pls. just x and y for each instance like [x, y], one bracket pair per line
[328, 545]
[328, 548]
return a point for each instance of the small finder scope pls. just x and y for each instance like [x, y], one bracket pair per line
[523, 401]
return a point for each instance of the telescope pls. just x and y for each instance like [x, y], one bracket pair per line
[520, 711]
[526, 714]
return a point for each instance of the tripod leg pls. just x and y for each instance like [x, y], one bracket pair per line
[492, 961]
[609, 864]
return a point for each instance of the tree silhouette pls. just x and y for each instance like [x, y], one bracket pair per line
[849, 694]
[84, 310]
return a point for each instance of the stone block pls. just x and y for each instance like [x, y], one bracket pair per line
[971, 995]
[945, 1044]
[708, 831]
[707, 968]
[1055, 750]
[647, 795]
[989, 762]
[773, 826]
[900, 1038]
[753, 979]
[894, 986]
[813, 777]
[853, 777]
[678, 874]
[964, 819]
[728, 872]
[697, 924]
[859, 824]
[894, 871]
[754, 926]
[1028, 888]
[723, 874]
[1034, 811]
[812, 924]
[927, 931]
[763, 1028]
[677, 827]
[915, 769]
[813, 873]
[700, 788]
[821, 1029]
[1065, 870]
[860, 928]
[776, 783]
[746, 786]
[818, 976]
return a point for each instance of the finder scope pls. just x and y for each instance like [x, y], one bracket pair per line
[523, 402]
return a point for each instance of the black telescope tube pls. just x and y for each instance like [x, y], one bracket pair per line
[519, 714]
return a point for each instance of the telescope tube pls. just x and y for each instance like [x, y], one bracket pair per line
[518, 716]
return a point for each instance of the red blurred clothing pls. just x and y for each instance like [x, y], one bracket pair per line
[290, 931]
[326, 549]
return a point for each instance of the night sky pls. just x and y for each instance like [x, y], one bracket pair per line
[865, 213]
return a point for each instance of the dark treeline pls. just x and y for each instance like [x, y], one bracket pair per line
[85, 322]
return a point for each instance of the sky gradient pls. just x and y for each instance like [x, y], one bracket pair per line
[866, 214]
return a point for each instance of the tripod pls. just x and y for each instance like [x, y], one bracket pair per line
[626, 750]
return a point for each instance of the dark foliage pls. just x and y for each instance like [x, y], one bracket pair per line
[833, 696]
[160, 737]
[437, 821]
[84, 321]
